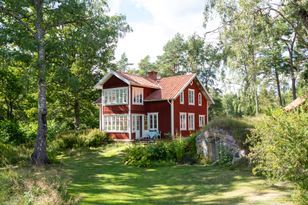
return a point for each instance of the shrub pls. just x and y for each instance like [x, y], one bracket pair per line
[76, 139]
[11, 133]
[280, 148]
[159, 153]
[96, 138]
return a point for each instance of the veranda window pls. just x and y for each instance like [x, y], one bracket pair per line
[116, 123]
[115, 96]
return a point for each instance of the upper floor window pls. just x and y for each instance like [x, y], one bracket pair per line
[115, 96]
[137, 96]
[200, 99]
[191, 97]
[182, 98]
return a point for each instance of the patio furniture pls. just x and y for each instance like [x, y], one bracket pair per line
[153, 134]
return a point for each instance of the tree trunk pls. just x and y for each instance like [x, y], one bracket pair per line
[278, 87]
[77, 114]
[292, 68]
[39, 156]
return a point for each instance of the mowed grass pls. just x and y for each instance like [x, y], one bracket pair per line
[100, 177]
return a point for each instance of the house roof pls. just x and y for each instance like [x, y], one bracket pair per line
[167, 88]
[170, 87]
[130, 79]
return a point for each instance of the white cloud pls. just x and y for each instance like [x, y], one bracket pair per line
[168, 18]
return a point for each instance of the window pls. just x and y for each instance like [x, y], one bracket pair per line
[153, 121]
[137, 96]
[115, 96]
[191, 97]
[201, 120]
[182, 98]
[199, 99]
[116, 123]
[183, 125]
[191, 121]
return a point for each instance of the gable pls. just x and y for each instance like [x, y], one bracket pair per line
[114, 82]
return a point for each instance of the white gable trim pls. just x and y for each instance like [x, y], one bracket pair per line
[107, 77]
[206, 94]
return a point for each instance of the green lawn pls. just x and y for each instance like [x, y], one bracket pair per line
[100, 177]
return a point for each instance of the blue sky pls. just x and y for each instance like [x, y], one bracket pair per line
[154, 22]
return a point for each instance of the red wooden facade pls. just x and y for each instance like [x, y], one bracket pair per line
[168, 110]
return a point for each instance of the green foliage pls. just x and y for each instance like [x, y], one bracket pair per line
[235, 126]
[11, 133]
[159, 153]
[13, 155]
[77, 139]
[280, 148]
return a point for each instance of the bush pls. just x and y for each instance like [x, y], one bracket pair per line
[280, 148]
[11, 133]
[76, 139]
[159, 153]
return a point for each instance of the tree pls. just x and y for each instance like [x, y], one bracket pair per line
[38, 19]
[122, 63]
[173, 60]
[145, 66]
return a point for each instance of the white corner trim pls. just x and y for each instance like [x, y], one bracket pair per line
[129, 112]
[172, 118]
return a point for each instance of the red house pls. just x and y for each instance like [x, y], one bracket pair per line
[132, 105]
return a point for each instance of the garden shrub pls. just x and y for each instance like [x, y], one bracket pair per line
[76, 139]
[161, 153]
[280, 148]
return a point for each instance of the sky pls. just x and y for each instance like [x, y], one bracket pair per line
[154, 22]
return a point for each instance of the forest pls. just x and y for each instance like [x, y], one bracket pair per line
[52, 53]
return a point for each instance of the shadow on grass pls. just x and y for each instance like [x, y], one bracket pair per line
[104, 179]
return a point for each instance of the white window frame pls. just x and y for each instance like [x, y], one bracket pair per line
[199, 99]
[191, 126]
[120, 93]
[201, 120]
[137, 96]
[149, 123]
[116, 123]
[191, 92]
[182, 98]
[183, 121]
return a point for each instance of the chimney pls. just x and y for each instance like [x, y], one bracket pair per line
[152, 75]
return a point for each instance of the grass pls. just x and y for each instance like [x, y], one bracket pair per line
[98, 176]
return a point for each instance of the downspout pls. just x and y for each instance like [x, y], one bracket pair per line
[172, 117]
[129, 113]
